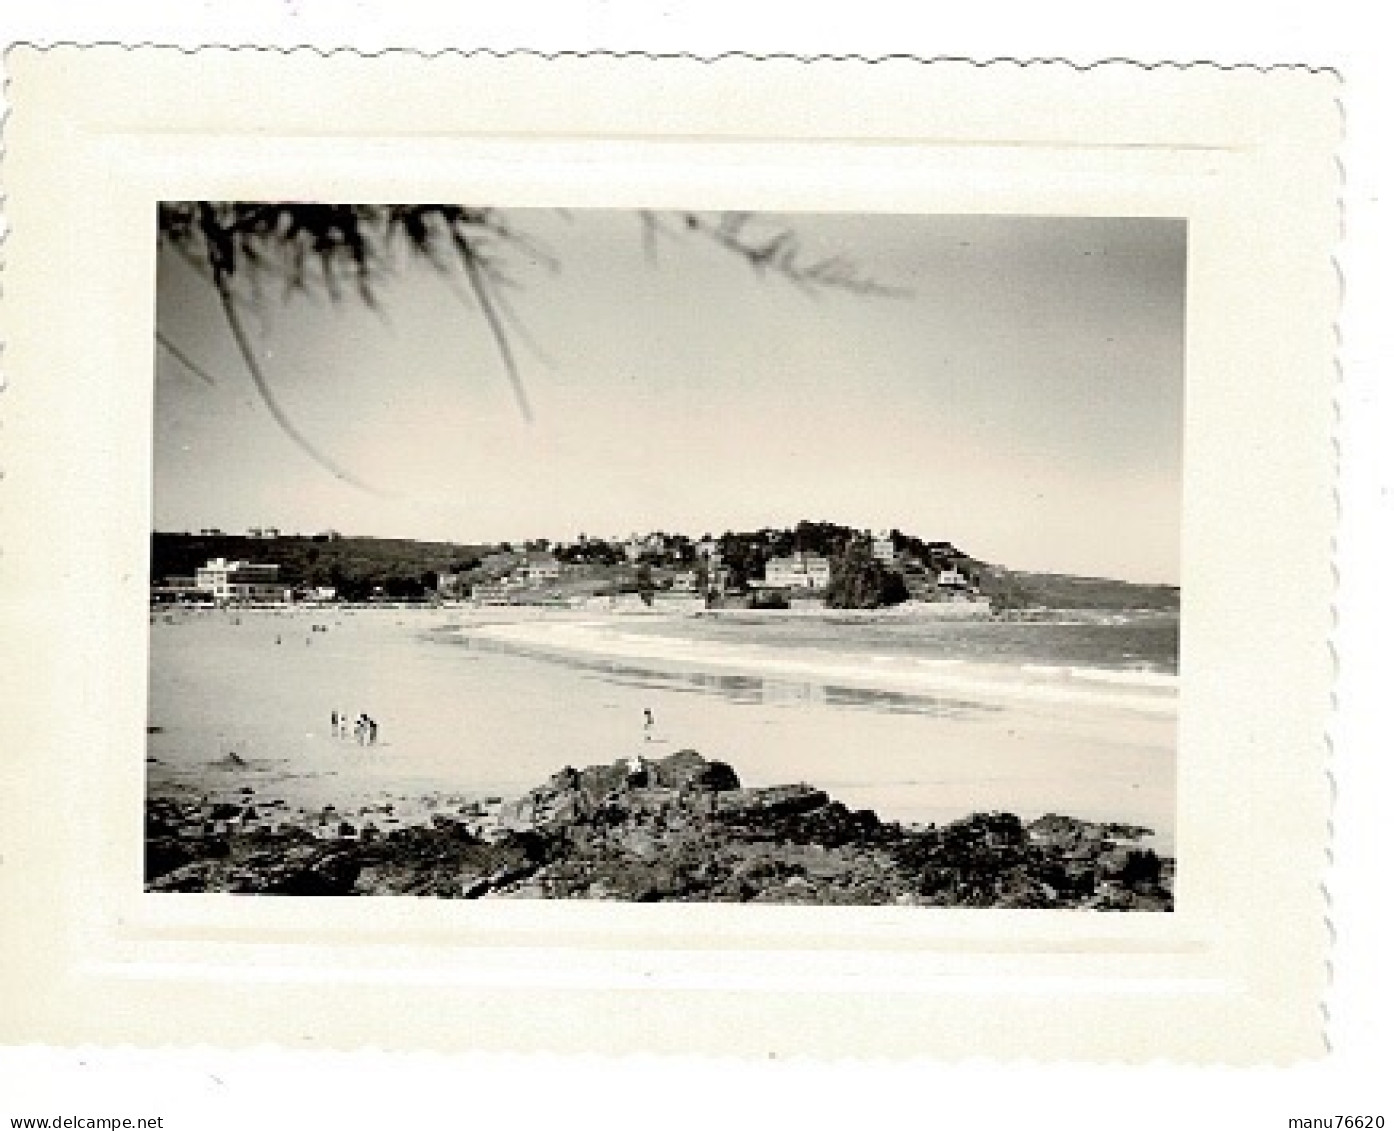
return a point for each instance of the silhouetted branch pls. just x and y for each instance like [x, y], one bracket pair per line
[184, 359]
[244, 345]
[340, 248]
[480, 285]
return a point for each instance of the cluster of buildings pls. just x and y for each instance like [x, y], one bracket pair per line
[509, 578]
[798, 571]
[227, 582]
[693, 571]
[267, 533]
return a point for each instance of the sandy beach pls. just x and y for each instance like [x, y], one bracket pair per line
[477, 703]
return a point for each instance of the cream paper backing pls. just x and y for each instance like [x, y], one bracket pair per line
[96, 136]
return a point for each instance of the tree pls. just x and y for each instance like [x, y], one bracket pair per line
[349, 249]
[643, 579]
[859, 581]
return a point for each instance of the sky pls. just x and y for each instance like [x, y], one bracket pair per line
[1020, 395]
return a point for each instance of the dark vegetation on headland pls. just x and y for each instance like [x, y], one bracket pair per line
[363, 568]
[406, 569]
[682, 829]
[1015, 589]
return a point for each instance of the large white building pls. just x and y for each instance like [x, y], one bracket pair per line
[240, 581]
[685, 581]
[883, 548]
[799, 571]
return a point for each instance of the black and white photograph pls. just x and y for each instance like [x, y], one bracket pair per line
[666, 555]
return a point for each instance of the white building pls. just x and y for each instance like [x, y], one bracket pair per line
[542, 567]
[952, 579]
[800, 571]
[240, 581]
[492, 593]
[685, 581]
[883, 548]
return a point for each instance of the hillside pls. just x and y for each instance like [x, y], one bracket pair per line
[406, 568]
[402, 566]
[1013, 589]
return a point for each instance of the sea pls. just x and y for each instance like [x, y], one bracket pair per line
[920, 721]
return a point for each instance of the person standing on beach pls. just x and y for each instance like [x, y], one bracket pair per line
[333, 719]
[648, 725]
[372, 732]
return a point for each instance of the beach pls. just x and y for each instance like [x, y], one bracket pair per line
[479, 703]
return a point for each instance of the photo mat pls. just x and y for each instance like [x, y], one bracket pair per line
[1234, 974]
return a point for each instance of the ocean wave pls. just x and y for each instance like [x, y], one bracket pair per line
[1135, 690]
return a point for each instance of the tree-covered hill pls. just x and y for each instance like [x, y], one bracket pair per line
[1010, 589]
[354, 566]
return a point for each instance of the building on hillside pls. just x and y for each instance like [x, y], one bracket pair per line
[951, 579]
[240, 580]
[685, 581]
[449, 585]
[177, 590]
[493, 593]
[640, 544]
[263, 532]
[538, 567]
[498, 561]
[883, 548]
[798, 571]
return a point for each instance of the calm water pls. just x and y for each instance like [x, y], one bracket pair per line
[1143, 643]
[749, 689]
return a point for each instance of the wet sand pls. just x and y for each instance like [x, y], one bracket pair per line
[492, 703]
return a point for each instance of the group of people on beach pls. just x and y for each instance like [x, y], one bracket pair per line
[365, 729]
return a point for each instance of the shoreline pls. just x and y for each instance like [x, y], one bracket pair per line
[465, 720]
[604, 639]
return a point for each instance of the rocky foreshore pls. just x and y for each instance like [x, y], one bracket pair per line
[682, 828]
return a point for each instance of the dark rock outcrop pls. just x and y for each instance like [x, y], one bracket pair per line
[680, 828]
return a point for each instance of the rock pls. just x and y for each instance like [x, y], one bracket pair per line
[190, 878]
[830, 826]
[597, 782]
[688, 831]
[641, 843]
[689, 770]
[304, 870]
[769, 802]
[165, 854]
[453, 827]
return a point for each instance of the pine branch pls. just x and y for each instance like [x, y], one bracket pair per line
[249, 358]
